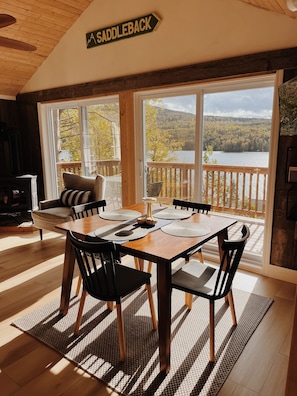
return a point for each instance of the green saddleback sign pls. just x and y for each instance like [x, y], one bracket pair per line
[134, 27]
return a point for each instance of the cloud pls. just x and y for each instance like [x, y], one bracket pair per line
[247, 103]
[251, 103]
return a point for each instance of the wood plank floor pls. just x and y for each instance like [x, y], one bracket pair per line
[31, 276]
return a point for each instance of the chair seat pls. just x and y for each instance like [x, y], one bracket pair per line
[58, 213]
[196, 278]
[123, 282]
[48, 218]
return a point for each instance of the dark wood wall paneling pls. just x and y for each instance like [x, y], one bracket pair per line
[284, 236]
[8, 113]
[10, 153]
[258, 63]
[30, 143]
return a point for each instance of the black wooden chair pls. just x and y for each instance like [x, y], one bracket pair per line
[86, 210]
[154, 189]
[195, 207]
[106, 279]
[211, 283]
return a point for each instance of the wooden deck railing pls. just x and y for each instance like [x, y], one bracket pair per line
[104, 167]
[240, 190]
[234, 189]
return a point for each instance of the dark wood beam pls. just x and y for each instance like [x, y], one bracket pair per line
[263, 62]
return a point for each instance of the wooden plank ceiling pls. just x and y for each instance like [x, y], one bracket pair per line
[43, 23]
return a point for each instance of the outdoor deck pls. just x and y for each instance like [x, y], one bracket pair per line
[253, 252]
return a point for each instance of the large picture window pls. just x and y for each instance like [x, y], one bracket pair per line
[209, 143]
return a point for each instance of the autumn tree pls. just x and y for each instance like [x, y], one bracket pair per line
[160, 143]
[68, 135]
[99, 141]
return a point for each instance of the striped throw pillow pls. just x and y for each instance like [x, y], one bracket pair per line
[74, 197]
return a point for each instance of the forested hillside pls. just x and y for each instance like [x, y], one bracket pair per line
[220, 133]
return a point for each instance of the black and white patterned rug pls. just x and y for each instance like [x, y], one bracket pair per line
[96, 348]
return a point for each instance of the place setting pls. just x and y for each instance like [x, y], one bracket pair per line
[135, 225]
[170, 213]
[186, 229]
[120, 214]
[122, 232]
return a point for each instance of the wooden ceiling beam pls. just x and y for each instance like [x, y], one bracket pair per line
[258, 63]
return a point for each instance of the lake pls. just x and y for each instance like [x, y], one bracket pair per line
[242, 159]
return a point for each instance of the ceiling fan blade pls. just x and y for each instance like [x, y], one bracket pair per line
[16, 44]
[6, 20]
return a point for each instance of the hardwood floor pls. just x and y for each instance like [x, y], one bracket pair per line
[31, 276]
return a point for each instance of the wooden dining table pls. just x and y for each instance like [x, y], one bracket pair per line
[158, 247]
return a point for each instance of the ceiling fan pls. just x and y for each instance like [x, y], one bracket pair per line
[6, 20]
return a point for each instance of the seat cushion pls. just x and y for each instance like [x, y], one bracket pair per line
[47, 219]
[61, 213]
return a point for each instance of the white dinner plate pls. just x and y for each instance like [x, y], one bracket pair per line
[185, 229]
[120, 214]
[173, 214]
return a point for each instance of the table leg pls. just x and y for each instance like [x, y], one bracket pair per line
[223, 235]
[68, 268]
[164, 313]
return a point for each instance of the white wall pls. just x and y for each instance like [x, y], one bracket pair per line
[191, 31]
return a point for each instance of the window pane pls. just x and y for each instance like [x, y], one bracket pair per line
[236, 140]
[102, 151]
[169, 141]
[67, 137]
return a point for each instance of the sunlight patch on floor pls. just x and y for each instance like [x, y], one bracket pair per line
[27, 275]
[245, 282]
